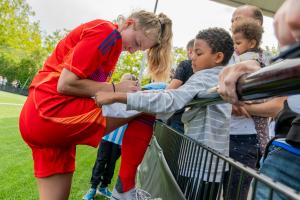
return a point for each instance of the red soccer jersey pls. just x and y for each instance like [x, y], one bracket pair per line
[53, 124]
[90, 51]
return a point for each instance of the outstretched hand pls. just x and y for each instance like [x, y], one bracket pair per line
[127, 86]
[229, 76]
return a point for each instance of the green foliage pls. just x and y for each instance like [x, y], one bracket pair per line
[23, 49]
[180, 54]
[51, 40]
[272, 51]
[128, 63]
[132, 63]
[17, 34]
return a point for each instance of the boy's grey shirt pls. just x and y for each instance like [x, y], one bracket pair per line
[208, 125]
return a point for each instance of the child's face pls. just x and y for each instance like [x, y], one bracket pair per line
[135, 40]
[202, 56]
[241, 44]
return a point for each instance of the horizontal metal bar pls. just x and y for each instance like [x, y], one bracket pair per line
[278, 79]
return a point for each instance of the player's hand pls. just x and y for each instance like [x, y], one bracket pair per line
[127, 86]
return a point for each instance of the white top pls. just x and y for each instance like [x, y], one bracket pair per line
[294, 103]
[240, 125]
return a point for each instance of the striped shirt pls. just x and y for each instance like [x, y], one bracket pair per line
[208, 124]
[116, 136]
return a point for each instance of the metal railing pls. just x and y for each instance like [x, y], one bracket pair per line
[279, 79]
[15, 90]
[189, 170]
[203, 173]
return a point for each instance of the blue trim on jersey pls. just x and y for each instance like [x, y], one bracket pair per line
[107, 39]
[110, 41]
[286, 147]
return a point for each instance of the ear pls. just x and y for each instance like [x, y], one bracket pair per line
[253, 43]
[219, 57]
[130, 22]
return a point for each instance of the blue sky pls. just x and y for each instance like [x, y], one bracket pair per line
[189, 16]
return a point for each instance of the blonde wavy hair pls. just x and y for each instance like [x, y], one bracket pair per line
[159, 28]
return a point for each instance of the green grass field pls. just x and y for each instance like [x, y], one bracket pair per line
[16, 166]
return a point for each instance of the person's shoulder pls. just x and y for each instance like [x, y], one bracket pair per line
[99, 24]
[100, 29]
[185, 63]
[211, 70]
[185, 66]
[250, 55]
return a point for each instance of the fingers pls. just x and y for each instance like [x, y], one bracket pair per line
[240, 111]
[229, 76]
[128, 86]
[286, 23]
[244, 112]
[226, 87]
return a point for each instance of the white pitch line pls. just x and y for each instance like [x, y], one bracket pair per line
[11, 104]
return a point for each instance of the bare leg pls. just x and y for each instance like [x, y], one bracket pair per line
[56, 187]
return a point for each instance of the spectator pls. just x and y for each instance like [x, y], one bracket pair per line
[281, 154]
[183, 72]
[4, 81]
[246, 34]
[209, 124]
[1, 81]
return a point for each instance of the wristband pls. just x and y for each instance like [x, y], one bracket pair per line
[114, 87]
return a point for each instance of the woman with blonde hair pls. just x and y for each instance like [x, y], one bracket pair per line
[59, 112]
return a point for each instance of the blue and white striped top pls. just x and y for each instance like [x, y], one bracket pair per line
[116, 136]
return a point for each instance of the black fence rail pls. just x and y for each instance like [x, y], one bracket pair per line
[279, 79]
[15, 90]
[203, 173]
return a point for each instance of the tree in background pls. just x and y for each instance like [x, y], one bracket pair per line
[23, 49]
[17, 34]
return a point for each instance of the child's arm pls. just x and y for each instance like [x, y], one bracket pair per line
[104, 98]
[166, 101]
[267, 109]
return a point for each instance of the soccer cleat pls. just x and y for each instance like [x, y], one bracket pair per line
[90, 194]
[133, 194]
[104, 192]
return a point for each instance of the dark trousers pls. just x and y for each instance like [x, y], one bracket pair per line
[103, 170]
[244, 149]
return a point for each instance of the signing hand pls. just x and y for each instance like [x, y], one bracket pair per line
[127, 86]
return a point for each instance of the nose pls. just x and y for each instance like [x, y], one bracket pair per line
[192, 56]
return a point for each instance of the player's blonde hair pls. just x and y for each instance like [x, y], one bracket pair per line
[159, 28]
